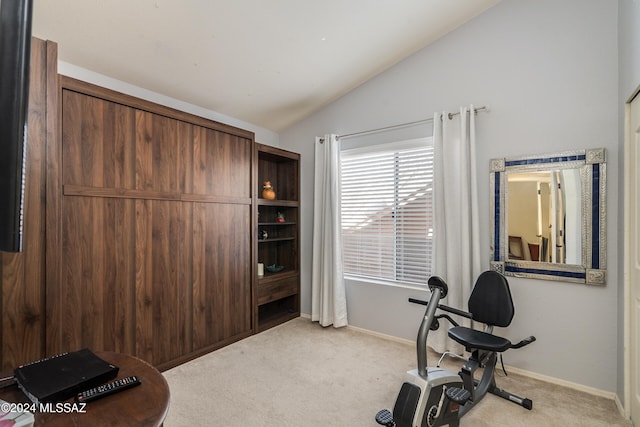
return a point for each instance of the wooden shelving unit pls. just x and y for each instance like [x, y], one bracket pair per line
[277, 228]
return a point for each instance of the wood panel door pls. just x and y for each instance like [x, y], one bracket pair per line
[220, 189]
[98, 274]
[221, 167]
[124, 274]
[160, 149]
[112, 150]
[162, 281]
[98, 143]
[155, 219]
[127, 282]
[222, 276]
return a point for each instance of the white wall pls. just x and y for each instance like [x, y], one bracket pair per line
[549, 72]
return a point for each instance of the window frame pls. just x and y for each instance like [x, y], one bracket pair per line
[396, 147]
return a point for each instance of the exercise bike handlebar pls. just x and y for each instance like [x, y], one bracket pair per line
[443, 307]
[423, 331]
[524, 342]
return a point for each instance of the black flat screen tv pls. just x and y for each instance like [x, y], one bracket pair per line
[15, 53]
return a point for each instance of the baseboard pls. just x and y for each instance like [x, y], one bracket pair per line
[575, 386]
[370, 332]
[381, 335]
[564, 383]
[621, 408]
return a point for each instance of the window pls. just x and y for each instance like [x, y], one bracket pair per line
[387, 211]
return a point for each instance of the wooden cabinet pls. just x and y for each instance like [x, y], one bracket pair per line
[152, 237]
[278, 236]
[141, 229]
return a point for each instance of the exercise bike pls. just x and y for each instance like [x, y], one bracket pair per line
[433, 396]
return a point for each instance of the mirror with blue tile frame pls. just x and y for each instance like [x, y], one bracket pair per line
[548, 216]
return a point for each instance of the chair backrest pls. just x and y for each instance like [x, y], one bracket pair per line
[490, 301]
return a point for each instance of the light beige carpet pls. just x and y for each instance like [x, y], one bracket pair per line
[300, 374]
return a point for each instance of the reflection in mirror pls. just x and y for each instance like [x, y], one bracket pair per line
[549, 216]
[544, 216]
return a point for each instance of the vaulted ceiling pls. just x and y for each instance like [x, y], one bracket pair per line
[266, 62]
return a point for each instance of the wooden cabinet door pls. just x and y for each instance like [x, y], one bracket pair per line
[160, 147]
[98, 143]
[221, 272]
[98, 273]
[221, 167]
[155, 219]
[92, 305]
[221, 190]
[125, 281]
[162, 281]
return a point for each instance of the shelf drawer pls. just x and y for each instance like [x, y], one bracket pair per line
[275, 290]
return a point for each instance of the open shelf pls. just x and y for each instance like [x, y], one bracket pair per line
[277, 295]
[290, 203]
[277, 312]
[276, 239]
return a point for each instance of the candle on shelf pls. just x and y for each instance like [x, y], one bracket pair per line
[260, 269]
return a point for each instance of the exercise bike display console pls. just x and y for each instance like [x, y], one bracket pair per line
[431, 396]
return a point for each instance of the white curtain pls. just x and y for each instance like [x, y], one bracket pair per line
[328, 295]
[456, 238]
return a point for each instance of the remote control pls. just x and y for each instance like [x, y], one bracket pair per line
[107, 389]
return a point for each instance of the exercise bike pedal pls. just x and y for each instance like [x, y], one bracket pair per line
[385, 417]
[458, 395]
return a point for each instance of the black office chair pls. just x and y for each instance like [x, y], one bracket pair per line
[490, 303]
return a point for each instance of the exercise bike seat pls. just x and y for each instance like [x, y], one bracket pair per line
[474, 339]
[490, 303]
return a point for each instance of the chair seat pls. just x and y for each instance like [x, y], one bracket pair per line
[473, 339]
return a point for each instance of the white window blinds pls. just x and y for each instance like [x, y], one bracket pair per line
[387, 211]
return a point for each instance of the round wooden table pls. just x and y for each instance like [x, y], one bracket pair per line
[143, 405]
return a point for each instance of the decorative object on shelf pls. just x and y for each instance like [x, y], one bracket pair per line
[263, 235]
[260, 269]
[267, 191]
[273, 268]
[276, 295]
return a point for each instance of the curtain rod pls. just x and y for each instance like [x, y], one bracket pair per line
[450, 115]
